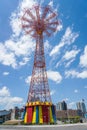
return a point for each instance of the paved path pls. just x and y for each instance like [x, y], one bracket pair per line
[82, 126]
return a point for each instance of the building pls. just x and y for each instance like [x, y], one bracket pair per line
[81, 106]
[12, 114]
[4, 116]
[17, 113]
[61, 106]
[66, 114]
[61, 114]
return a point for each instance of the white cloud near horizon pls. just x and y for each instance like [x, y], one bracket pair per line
[71, 105]
[65, 99]
[7, 101]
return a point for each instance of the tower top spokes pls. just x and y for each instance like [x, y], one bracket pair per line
[39, 20]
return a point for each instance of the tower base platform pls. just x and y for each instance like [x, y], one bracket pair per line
[39, 113]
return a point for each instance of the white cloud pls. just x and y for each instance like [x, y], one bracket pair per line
[28, 79]
[17, 50]
[16, 15]
[59, 27]
[54, 76]
[51, 3]
[15, 24]
[17, 53]
[76, 91]
[71, 105]
[6, 73]
[85, 87]
[68, 38]
[7, 101]
[6, 57]
[69, 63]
[68, 57]
[27, 4]
[4, 91]
[24, 61]
[83, 58]
[70, 54]
[47, 46]
[52, 92]
[75, 74]
[65, 99]
[22, 47]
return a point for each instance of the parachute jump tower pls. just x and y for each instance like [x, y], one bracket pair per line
[39, 22]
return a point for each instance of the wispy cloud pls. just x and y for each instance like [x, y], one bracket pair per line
[6, 73]
[83, 58]
[70, 54]
[47, 47]
[76, 74]
[68, 57]
[68, 38]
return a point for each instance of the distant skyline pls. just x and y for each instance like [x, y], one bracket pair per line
[65, 53]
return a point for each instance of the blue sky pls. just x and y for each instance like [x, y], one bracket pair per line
[65, 52]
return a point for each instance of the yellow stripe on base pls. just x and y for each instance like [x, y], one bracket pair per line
[34, 116]
[25, 118]
[40, 115]
[51, 117]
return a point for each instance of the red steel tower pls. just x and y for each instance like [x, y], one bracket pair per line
[39, 22]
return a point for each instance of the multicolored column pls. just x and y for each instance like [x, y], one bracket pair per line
[40, 113]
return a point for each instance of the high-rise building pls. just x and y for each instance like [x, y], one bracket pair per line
[81, 106]
[61, 105]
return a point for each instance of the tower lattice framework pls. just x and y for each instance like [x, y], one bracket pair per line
[39, 22]
[39, 88]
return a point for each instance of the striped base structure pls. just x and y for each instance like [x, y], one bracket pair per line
[39, 113]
